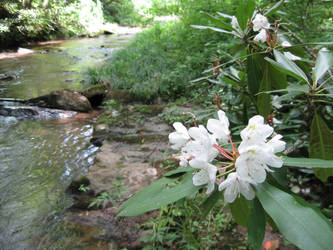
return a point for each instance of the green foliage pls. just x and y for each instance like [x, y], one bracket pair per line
[35, 21]
[297, 221]
[181, 226]
[159, 194]
[256, 224]
[102, 200]
[254, 77]
[158, 62]
[122, 12]
[321, 146]
[307, 162]
[83, 188]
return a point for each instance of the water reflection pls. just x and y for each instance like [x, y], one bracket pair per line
[55, 66]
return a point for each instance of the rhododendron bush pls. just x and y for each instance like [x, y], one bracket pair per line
[268, 71]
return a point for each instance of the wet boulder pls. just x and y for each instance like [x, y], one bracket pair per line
[63, 99]
[96, 94]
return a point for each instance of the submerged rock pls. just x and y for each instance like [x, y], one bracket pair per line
[24, 112]
[5, 77]
[63, 99]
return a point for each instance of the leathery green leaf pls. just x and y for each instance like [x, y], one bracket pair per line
[244, 12]
[210, 202]
[320, 145]
[254, 72]
[264, 100]
[210, 28]
[256, 224]
[297, 221]
[307, 162]
[240, 210]
[323, 64]
[161, 193]
[289, 65]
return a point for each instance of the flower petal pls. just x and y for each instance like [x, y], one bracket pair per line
[198, 163]
[261, 36]
[200, 178]
[246, 190]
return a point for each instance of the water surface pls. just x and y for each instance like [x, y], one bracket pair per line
[40, 156]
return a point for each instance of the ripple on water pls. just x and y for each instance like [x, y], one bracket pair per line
[37, 162]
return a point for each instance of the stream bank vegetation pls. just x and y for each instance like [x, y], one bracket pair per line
[267, 72]
[23, 21]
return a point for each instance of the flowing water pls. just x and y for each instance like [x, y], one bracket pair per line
[40, 157]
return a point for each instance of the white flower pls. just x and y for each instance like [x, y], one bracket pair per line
[234, 185]
[285, 44]
[260, 22]
[291, 56]
[275, 102]
[256, 132]
[220, 127]
[180, 137]
[253, 162]
[202, 147]
[206, 175]
[276, 144]
[261, 36]
[184, 157]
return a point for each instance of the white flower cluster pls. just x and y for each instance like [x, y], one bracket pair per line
[260, 23]
[248, 165]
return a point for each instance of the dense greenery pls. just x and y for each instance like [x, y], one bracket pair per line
[22, 21]
[247, 75]
[161, 61]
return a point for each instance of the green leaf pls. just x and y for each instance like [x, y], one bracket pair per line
[279, 80]
[224, 15]
[307, 162]
[256, 224]
[210, 202]
[287, 66]
[280, 175]
[272, 10]
[217, 21]
[254, 72]
[210, 28]
[178, 171]
[161, 193]
[321, 145]
[323, 64]
[244, 12]
[240, 210]
[264, 100]
[298, 222]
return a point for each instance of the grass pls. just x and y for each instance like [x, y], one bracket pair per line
[159, 62]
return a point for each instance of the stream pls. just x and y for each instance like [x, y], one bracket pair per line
[39, 157]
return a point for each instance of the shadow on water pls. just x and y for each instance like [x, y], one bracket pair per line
[40, 157]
